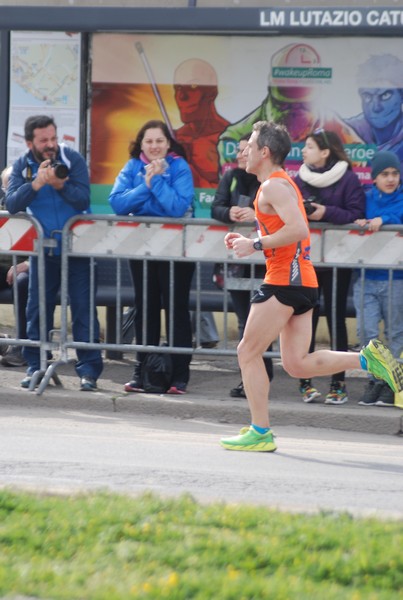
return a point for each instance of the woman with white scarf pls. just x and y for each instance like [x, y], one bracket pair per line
[332, 194]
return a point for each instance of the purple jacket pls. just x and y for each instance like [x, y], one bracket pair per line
[344, 200]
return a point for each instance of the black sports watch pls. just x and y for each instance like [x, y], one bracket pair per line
[257, 244]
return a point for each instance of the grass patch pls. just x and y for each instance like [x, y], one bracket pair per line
[105, 546]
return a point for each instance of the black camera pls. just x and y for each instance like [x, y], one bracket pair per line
[61, 171]
[309, 209]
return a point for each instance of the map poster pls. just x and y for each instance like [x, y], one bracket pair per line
[44, 79]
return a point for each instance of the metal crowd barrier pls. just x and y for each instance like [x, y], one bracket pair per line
[111, 237]
[22, 236]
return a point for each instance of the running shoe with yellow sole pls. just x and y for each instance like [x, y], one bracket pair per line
[380, 362]
[250, 441]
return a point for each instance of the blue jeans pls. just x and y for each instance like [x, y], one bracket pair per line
[376, 309]
[89, 361]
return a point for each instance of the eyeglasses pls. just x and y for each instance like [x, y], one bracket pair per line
[322, 132]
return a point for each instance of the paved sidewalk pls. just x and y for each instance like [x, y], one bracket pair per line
[207, 398]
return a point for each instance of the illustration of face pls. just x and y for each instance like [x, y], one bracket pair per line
[312, 155]
[293, 104]
[154, 144]
[195, 88]
[381, 106]
[194, 101]
[44, 144]
[296, 115]
[387, 180]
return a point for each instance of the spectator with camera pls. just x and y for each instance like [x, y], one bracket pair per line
[332, 193]
[51, 183]
[157, 182]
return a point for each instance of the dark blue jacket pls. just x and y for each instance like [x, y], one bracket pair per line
[52, 208]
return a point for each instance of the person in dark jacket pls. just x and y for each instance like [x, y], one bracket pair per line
[332, 193]
[36, 187]
[233, 203]
[157, 181]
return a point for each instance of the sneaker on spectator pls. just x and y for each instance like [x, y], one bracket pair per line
[136, 384]
[88, 384]
[133, 386]
[309, 393]
[371, 393]
[26, 382]
[3, 348]
[386, 396]
[177, 389]
[337, 393]
[13, 357]
[209, 344]
[238, 391]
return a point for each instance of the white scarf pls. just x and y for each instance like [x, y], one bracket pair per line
[323, 180]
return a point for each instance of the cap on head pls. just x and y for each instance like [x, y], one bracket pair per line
[384, 160]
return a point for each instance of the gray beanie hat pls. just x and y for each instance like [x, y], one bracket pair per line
[382, 161]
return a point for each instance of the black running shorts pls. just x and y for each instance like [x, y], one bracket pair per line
[299, 297]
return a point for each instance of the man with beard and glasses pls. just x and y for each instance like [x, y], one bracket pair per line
[51, 183]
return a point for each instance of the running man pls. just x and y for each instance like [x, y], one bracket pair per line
[283, 305]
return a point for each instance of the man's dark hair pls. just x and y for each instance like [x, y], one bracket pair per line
[275, 137]
[36, 122]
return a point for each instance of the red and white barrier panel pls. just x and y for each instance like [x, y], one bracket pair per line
[17, 234]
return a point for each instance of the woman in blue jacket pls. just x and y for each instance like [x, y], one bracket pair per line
[157, 181]
[332, 193]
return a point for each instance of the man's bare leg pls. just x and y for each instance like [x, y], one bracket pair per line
[263, 326]
[297, 360]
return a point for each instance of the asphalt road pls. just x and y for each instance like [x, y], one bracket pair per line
[69, 450]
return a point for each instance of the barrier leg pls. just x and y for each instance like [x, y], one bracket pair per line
[110, 333]
[48, 375]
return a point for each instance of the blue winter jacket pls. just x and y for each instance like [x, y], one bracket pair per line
[52, 208]
[170, 195]
[390, 208]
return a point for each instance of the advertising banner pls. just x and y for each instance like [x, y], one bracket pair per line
[210, 89]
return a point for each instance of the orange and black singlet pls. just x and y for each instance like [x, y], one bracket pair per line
[287, 265]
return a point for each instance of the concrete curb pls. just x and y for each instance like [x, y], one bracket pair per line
[208, 399]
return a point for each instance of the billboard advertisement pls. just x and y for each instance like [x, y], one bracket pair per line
[211, 89]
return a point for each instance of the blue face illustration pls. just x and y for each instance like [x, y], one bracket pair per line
[381, 106]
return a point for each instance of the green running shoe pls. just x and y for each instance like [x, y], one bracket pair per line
[381, 363]
[251, 441]
[246, 429]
